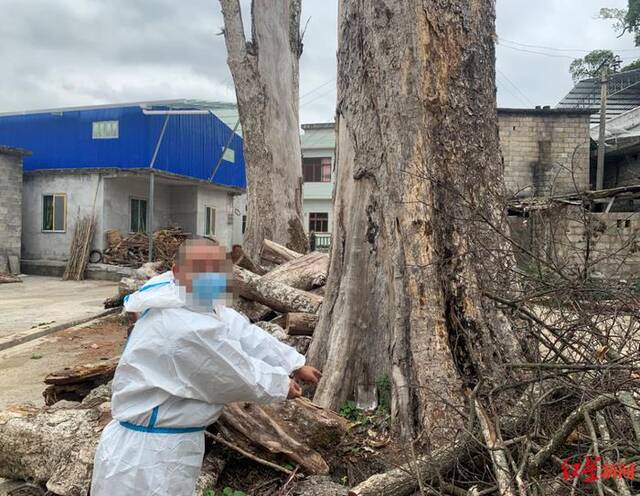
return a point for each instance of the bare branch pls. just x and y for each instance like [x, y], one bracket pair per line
[568, 427]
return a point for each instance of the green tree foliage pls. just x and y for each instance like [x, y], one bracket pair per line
[589, 66]
[625, 20]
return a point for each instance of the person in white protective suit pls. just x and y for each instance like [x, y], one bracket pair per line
[187, 356]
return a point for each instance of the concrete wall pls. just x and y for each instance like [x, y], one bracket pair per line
[223, 203]
[10, 208]
[175, 203]
[622, 170]
[319, 191]
[545, 152]
[81, 189]
[318, 206]
[239, 209]
[560, 236]
[118, 192]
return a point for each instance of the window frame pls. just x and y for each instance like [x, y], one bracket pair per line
[243, 225]
[95, 125]
[146, 213]
[207, 225]
[313, 218]
[318, 168]
[64, 219]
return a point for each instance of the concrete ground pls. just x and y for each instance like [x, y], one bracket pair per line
[24, 367]
[40, 302]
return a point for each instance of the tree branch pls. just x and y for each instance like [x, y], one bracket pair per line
[234, 32]
[568, 427]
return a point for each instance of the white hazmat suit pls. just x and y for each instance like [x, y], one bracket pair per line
[178, 370]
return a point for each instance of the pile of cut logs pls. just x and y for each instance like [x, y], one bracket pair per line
[54, 446]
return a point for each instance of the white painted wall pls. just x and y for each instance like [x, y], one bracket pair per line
[239, 209]
[81, 190]
[180, 204]
[318, 206]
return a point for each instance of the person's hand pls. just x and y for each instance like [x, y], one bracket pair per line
[307, 374]
[295, 391]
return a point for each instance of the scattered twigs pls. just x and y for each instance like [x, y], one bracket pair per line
[496, 451]
[620, 483]
[596, 452]
[251, 456]
[567, 427]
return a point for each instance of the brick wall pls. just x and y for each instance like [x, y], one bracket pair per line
[545, 151]
[10, 205]
[572, 239]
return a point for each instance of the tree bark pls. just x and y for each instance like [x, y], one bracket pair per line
[301, 324]
[306, 272]
[265, 74]
[419, 183]
[53, 447]
[275, 295]
[296, 429]
[277, 254]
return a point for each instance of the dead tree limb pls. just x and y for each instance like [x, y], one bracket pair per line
[621, 485]
[567, 427]
[306, 272]
[496, 451]
[301, 324]
[275, 295]
[276, 253]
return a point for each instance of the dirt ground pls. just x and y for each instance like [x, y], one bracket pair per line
[23, 368]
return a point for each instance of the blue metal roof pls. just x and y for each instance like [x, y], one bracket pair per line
[192, 144]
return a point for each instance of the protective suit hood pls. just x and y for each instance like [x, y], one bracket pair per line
[159, 292]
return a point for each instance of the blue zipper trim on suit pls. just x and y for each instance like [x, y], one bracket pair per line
[145, 288]
[151, 426]
[154, 285]
[160, 430]
[154, 417]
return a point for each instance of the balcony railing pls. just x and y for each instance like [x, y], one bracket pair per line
[319, 241]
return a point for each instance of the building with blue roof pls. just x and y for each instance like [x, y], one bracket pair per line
[107, 159]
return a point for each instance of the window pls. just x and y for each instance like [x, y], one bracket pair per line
[244, 223]
[138, 215]
[319, 222]
[105, 130]
[54, 213]
[210, 226]
[228, 154]
[316, 170]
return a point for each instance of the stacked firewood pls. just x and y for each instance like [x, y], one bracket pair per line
[133, 250]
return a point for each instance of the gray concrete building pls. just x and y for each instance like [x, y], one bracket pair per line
[545, 151]
[10, 208]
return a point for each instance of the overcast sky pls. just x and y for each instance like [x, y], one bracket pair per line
[83, 52]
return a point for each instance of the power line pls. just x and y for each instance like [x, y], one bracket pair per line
[317, 88]
[317, 97]
[522, 98]
[515, 86]
[583, 50]
[536, 52]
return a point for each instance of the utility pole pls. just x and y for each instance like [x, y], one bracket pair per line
[604, 83]
[152, 186]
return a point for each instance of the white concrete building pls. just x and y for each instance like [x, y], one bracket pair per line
[318, 171]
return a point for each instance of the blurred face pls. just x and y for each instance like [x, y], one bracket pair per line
[199, 257]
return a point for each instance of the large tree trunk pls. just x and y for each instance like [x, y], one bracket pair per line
[419, 183]
[265, 73]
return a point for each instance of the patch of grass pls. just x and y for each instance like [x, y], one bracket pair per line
[383, 385]
[36, 357]
[350, 411]
[227, 491]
